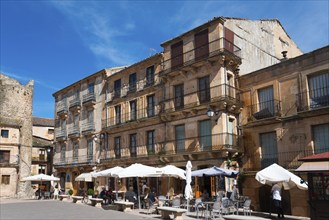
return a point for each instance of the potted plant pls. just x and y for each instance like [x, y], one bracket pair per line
[90, 193]
[70, 192]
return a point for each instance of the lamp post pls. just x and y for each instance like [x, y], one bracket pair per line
[211, 113]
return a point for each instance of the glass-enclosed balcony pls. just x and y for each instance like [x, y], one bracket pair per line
[75, 104]
[74, 131]
[60, 134]
[62, 109]
[89, 98]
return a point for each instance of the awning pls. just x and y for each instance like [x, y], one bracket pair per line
[86, 177]
[314, 166]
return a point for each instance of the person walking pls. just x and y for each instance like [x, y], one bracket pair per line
[276, 196]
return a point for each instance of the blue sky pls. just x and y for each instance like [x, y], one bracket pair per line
[56, 43]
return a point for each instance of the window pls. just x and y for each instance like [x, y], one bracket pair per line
[318, 90]
[63, 149]
[150, 142]
[4, 133]
[42, 169]
[132, 82]
[150, 106]
[117, 147]
[133, 145]
[177, 55]
[90, 149]
[117, 88]
[149, 75]
[4, 156]
[268, 148]
[133, 110]
[91, 88]
[5, 179]
[117, 114]
[75, 151]
[230, 128]
[265, 103]
[321, 138]
[50, 131]
[90, 116]
[201, 44]
[179, 96]
[204, 89]
[42, 154]
[205, 135]
[180, 138]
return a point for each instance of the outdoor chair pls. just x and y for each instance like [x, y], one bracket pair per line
[163, 201]
[216, 210]
[176, 203]
[246, 207]
[199, 207]
[227, 206]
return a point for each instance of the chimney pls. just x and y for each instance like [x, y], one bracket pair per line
[284, 54]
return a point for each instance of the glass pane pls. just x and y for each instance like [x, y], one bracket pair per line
[321, 138]
[205, 135]
[319, 90]
[269, 149]
[180, 138]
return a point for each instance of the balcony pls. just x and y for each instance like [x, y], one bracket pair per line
[208, 52]
[88, 128]
[264, 110]
[313, 100]
[225, 94]
[89, 99]
[60, 134]
[131, 117]
[74, 131]
[75, 161]
[62, 109]
[288, 160]
[140, 85]
[75, 105]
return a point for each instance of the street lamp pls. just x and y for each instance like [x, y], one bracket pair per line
[211, 113]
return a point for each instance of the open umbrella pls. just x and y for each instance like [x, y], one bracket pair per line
[86, 177]
[108, 172]
[215, 171]
[40, 177]
[275, 174]
[188, 189]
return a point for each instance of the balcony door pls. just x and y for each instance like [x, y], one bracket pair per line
[268, 148]
[180, 138]
[266, 103]
[90, 149]
[179, 96]
[177, 55]
[204, 89]
[132, 82]
[321, 138]
[91, 88]
[133, 145]
[150, 106]
[117, 88]
[319, 90]
[117, 147]
[229, 40]
[117, 114]
[201, 44]
[133, 110]
[75, 151]
[205, 135]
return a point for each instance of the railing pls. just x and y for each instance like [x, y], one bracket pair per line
[74, 130]
[288, 160]
[90, 97]
[215, 142]
[60, 133]
[126, 89]
[211, 49]
[71, 161]
[313, 99]
[88, 126]
[61, 107]
[130, 117]
[264, 110]
[222, 92]
[74, 103]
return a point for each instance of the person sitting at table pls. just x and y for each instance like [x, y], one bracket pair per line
[151, 195]
[102, 195]
[109, 196]
[131, 196]
[205, 195]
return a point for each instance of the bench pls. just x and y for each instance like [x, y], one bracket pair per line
[63, 197]
[77, 198]
[166, 211]
[124, 206]
[96, 201]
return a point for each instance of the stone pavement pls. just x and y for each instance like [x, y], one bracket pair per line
[55, 209]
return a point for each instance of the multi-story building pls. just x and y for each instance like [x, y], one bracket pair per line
[16, 137]
[285, 118]
[42, 149]
[78, 113]
[179, 105]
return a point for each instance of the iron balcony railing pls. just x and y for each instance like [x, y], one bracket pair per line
[140, 85]
[74, 130]
[74, 103]
[208, 143]
[208, 50]
[71, 161]
[61, 107]
[222, 92]
[90, 97]
[288, 160]
[263, 110]
[131, 117]
[313, 99]
[88, 126]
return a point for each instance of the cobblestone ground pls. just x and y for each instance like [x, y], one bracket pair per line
[51, 209]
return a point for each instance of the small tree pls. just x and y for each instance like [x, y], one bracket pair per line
[70, 192]
[90, 192]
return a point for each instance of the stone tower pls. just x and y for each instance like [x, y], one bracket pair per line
[16, 112]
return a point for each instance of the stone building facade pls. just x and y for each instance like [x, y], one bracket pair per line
[156, 110]
[16, 136]
[285, 118]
